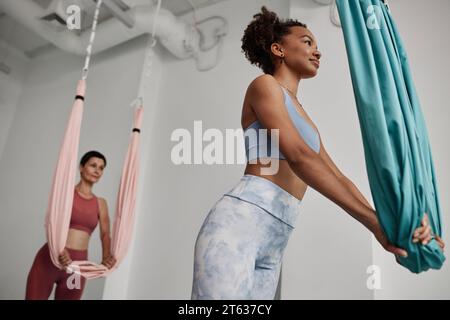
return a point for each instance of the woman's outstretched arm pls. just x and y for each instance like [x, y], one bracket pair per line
[108, 260]
[422, 233]
[267, 101]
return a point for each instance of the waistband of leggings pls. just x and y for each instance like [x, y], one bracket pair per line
[268, 196]
[78, 254]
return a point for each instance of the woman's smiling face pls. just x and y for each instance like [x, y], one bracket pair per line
[301, 52]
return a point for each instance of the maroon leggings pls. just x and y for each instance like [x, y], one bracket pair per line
[43, 275]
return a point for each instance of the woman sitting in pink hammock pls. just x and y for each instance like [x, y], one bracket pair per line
[87, 211]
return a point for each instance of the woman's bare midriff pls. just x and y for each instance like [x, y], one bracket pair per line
[77, 240]
[285, 178]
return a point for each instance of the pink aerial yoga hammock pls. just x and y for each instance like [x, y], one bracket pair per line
[61, 196]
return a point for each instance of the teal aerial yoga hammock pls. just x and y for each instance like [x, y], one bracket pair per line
[396, 147]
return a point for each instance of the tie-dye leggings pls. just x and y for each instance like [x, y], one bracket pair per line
[240, 245]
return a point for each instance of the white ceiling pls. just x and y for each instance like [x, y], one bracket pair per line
[31, 44]
[179, 7]
[18, 36]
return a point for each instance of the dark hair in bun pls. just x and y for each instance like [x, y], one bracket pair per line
[265, 29]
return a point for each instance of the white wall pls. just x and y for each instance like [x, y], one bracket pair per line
[26, 169]
[423, 26]
[10, 88]
[116, 285]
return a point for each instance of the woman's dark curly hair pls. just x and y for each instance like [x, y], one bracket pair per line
[266, 28]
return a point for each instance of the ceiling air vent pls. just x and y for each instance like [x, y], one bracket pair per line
[54, 12]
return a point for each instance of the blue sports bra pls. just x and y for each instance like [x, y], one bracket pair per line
[254, 148]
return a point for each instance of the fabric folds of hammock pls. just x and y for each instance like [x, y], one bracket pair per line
[61, 196]
[397, 150]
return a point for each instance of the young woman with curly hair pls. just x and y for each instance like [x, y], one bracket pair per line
[240, 245]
